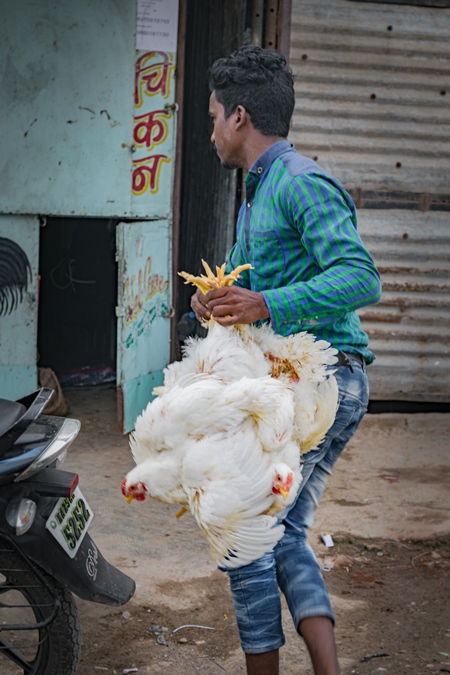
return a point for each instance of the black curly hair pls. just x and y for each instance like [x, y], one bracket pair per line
[259, 80]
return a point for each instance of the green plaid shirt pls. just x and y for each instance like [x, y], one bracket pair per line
[297, 227]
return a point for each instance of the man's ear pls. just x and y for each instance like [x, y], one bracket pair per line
[241, 116]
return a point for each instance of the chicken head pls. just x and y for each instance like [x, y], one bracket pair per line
[283, 480]
[137, 491]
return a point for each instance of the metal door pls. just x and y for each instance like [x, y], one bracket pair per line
[19, 254]
[144, 311]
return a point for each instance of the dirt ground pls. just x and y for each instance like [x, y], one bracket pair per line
[387, 507]
[392, 608]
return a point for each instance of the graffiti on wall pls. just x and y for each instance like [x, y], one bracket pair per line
[145, 298]
[15, 272]
[153, 121]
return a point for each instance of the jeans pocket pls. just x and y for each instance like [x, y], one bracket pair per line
[345, 416]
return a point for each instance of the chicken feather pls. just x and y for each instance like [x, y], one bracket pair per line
[226, 429]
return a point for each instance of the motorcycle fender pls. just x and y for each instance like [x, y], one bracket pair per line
[88, 574]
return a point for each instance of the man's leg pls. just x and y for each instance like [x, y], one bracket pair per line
[257, 604]
[317, 631]
[263, 664]
[254, 587]
[298, 572]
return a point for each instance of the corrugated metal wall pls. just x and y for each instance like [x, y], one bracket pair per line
[373, 108]
[409, 330]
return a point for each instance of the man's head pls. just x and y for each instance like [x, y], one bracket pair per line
[260, 81]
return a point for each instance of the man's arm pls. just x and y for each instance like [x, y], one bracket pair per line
[346, 277]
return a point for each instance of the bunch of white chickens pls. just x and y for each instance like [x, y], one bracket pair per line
[224, 434]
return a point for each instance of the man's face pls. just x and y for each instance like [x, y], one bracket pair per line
[224, 134]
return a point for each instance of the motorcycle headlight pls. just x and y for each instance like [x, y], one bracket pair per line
[57, 448]
[20, 514]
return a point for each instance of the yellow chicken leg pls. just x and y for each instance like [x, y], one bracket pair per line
[212, 281]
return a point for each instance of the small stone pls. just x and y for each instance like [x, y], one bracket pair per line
[182, 641]
[342, 561]
[435, 555]
[200, 642]
[126, 614]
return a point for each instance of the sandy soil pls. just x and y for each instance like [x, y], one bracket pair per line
[390, 599]
[387, 507]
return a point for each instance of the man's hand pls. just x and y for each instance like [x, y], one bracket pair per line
[199, 306]
[230, 305]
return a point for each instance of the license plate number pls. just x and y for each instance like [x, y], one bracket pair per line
[69, 521]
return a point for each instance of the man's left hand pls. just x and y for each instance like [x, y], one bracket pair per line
[233, 304]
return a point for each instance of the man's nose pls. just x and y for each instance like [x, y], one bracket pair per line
[212, 138]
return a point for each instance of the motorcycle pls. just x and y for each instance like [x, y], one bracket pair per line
[46, 553]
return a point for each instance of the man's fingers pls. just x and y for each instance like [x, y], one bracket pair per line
[200, 309]
[218, 310]
[227, 320]
[220, 293]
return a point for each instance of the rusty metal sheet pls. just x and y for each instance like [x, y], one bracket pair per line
[440, 4]
[409, 329]
[372, 107]
[373, 93]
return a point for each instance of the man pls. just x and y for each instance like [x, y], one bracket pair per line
[297, 227]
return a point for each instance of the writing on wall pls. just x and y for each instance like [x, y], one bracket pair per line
[153, 126]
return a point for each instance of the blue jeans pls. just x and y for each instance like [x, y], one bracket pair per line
[292, 565]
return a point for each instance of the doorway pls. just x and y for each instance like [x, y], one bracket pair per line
[77, 326]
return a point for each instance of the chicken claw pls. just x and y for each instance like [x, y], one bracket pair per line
[235, 274]
[212, 281]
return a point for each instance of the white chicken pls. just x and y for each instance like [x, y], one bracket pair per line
[224, 435]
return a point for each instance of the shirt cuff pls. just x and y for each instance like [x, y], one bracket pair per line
[279, 314]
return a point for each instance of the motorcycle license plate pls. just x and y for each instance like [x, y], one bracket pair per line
[69, 521]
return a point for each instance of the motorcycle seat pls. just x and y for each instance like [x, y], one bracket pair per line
[10, 413]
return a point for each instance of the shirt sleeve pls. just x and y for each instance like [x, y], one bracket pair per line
[345, 277]
[236, 258]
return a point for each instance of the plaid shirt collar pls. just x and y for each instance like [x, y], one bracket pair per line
[267, 158]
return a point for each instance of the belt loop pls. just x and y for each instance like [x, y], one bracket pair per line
[348, 362]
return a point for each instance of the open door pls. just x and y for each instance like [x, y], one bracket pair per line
[143, 314]
[19, 256]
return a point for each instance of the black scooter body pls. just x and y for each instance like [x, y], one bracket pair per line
[88, 574]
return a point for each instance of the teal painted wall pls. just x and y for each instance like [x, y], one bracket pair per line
[18, 321]
[89, 131]
[66, 104]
